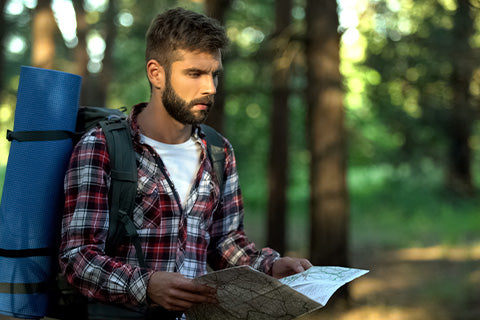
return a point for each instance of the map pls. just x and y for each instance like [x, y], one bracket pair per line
[244, 293]
[319, 283]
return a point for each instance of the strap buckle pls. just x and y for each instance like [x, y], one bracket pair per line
[10, 135]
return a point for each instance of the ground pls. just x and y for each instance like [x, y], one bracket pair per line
[441, 283]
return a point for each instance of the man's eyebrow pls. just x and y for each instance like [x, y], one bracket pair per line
[203, 71]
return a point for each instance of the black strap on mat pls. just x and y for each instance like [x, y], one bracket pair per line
[24, 253]
[47, 135]
[23, 288]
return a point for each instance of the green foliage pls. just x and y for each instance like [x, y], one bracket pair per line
[397, 207]
[407, 107]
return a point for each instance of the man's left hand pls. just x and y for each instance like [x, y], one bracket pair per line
[287, 266]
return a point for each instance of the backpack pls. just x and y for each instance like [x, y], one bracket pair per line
[65, 302]
[124, 170]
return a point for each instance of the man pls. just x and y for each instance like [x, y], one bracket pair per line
[182, 222]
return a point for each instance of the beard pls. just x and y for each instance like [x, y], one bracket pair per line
[181, 110]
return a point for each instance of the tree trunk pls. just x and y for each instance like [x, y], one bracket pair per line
[81, 54]
[108, 61]
[278, 155]
[328, 189]
[95, 85]
[44, 29]
[459, 175]
[217, 10]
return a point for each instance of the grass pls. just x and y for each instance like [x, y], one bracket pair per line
[398, 207]
[390, 208]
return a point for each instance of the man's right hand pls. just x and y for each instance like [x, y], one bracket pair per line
[174, 292]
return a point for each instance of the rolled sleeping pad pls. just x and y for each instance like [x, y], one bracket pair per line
[32, 199]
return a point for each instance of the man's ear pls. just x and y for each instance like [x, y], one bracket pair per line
[156, 74]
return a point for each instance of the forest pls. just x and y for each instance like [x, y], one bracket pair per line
[355, 126]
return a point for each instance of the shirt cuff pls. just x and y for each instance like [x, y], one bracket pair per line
[138, 288]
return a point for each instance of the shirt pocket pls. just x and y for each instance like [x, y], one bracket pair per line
[145, 214]
[206, 204]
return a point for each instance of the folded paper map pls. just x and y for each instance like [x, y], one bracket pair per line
[244, 293]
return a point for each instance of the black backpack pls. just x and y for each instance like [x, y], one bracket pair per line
[66, 303]
[124, 170]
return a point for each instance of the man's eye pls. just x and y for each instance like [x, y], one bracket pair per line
[194, 74]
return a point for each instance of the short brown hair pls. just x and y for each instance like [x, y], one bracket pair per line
[182, 29]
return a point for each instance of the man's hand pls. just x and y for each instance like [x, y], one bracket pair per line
[174, 292]
[287, 266]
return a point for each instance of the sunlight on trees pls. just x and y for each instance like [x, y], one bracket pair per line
[96, 51]
[393, 60]
[16, 44]
[65, 17]
[373, 33]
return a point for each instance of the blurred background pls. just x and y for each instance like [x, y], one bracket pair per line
[355, 127]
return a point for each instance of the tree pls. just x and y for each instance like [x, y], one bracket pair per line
[95, 85]
[217, 10]
[44, 30]
[278, 155]
[329, 205]
[459, 173]
[81, 54]
[424, 100]
[108, 62]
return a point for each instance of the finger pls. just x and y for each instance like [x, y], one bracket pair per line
[196, 288]
[177, 305]
[306, 264]
[193, 297]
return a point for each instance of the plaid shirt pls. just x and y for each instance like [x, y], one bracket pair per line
[173, 238]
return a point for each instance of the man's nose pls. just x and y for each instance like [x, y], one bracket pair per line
[209, 85]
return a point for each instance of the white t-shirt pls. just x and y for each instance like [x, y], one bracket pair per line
[182, 162]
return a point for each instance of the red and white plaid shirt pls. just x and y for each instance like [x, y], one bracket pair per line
[173, 238]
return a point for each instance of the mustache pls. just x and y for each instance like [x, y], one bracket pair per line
[208, 100]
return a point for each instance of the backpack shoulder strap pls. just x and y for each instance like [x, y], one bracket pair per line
[123, 185]
[216, 152]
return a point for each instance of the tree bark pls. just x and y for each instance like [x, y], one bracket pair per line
[81, 54]
[459, 175]
[43, 42]
[217, 10]
[95, 85]
[108, 61]
[329, 205]
[278, 154]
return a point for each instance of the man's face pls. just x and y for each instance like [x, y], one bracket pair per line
[190, 86]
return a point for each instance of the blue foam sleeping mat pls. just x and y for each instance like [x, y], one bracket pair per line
[32, 199]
